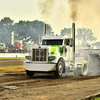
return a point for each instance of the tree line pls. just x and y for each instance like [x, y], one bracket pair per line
[30, 31]
[83, 35]
[23, 30]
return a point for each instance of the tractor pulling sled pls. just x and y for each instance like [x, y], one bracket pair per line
[56, 54]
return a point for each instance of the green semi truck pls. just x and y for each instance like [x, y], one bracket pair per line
[57, 55]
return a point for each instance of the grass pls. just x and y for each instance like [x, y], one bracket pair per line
[8, 67]
[97, 98]
[12, 58]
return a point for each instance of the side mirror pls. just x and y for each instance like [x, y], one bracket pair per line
[71, 42]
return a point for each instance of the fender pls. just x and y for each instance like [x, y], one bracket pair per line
[63, 62]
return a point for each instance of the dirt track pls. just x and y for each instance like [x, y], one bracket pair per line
[11, 62]
[46, 87]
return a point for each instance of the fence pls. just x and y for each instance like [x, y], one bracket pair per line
[13, 54]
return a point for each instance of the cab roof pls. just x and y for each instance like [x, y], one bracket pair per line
[54, 37]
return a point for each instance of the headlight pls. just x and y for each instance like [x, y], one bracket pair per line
[28, 57]
[51, 57]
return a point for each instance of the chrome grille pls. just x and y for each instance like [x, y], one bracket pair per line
[39, 54]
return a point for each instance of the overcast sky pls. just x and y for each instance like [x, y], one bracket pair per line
[19, 9]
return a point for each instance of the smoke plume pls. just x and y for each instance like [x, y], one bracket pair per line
[45, 8]
[86, 13]
[74, 9]
[60, 14]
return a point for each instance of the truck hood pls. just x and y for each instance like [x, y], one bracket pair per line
[55, 50]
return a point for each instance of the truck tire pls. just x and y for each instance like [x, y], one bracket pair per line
[77, 72]
[59, 68]
[29, 73]
[83, 70]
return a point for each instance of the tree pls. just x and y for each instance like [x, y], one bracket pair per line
[38, 27]
[23, 30]
[66, 31]
[31, 29]
[49, 30]
[85, 35]
[6, 21]
[6, 26]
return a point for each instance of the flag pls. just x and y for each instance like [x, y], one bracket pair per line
[12, 38]
[39, 39]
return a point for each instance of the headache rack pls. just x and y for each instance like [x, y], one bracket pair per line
[39, 54]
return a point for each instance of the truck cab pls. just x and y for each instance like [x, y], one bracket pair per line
[45, 57]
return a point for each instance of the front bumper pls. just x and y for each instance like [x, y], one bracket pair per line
[39, 66]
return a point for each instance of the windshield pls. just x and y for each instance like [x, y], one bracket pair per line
[52, 42]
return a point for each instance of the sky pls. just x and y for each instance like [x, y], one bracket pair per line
[85, 13]
[19, 9]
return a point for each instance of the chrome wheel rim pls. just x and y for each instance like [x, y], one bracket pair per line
[60, 69]
[84, 69]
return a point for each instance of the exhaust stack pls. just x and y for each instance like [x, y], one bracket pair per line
[73, 35]
[44, 33]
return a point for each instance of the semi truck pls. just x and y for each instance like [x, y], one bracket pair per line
[57, 55]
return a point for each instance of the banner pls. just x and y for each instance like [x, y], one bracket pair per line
[12, 38]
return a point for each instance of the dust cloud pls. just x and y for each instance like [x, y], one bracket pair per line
[94, 64]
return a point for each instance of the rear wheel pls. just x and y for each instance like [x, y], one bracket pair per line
[82, 70]
[59, 68]
[29, 73]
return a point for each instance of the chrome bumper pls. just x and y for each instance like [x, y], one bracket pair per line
[39, 66]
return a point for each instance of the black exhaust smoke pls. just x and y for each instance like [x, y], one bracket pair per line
[73, 35]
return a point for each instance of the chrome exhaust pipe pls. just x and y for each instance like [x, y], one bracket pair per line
[44, 33]
[73, 34]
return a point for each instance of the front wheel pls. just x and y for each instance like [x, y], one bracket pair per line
[29, 73]
[59, 68]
